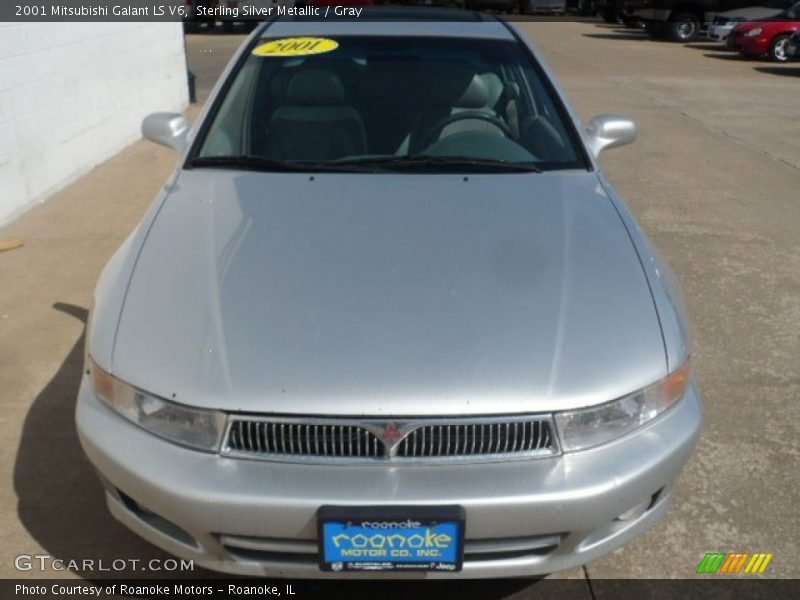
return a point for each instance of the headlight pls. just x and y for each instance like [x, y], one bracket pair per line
[588, 427]
[196, 428]
[753, 32]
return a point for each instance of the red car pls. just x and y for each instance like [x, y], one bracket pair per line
[767, 36]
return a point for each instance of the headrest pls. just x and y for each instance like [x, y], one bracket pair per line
[495, 88]
[460, 87]
[315, 87]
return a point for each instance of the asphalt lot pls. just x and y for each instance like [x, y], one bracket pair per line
[715, 182]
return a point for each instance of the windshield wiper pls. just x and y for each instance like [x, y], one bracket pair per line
[259, 163]
[370, 164]
[447, 164]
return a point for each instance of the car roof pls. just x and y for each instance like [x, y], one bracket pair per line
[395, 21]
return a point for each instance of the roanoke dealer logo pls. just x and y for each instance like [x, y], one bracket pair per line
[734, 563]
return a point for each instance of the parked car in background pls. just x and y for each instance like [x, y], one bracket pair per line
[679, 20]
[723, 23]
[550, 7]
[767, 37]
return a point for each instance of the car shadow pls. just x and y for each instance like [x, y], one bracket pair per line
[59, 498]
[786, 71]
[707, 45]
[623, 35]
[61, 505]
[726, 56]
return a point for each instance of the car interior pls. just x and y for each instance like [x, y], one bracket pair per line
[334, 107]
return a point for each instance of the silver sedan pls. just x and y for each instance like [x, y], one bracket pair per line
[388, 318]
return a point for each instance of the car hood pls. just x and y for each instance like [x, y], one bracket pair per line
[388, 294]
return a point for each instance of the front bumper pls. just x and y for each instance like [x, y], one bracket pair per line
[718, 32]
[752, 46]
[258, 518]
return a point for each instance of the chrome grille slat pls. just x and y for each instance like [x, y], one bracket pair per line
[257, 437]
[492, 438]
[235, 435]
[249, 438]
[478, 439]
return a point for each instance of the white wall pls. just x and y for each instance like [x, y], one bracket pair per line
[74, 94]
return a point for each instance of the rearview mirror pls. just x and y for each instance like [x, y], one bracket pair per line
[167, 129]
[610, 131]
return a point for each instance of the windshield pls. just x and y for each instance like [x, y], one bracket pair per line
[391, 100]
[793, 12]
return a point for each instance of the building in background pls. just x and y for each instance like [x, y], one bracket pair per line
[74, 94]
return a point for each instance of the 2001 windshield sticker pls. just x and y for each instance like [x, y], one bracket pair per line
[298, 46]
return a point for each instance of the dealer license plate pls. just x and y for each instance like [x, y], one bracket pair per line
[391, 538]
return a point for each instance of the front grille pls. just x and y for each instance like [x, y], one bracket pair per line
[297, 439]
[476, 439]
[305, 551]
[289, 439]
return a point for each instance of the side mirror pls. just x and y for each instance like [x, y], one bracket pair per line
[167, 129]
[610, 131]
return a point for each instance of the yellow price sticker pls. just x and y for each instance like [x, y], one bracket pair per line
[299, 46]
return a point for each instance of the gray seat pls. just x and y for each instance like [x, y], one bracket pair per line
[458, 90]
[315, 124]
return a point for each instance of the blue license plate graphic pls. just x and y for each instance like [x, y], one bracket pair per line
[391, 544]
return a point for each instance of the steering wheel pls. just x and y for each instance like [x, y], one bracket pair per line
[469, 115]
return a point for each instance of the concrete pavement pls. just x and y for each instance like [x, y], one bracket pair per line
[714, 180]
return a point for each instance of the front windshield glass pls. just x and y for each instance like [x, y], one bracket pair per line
[384, 100]
[793, 12]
